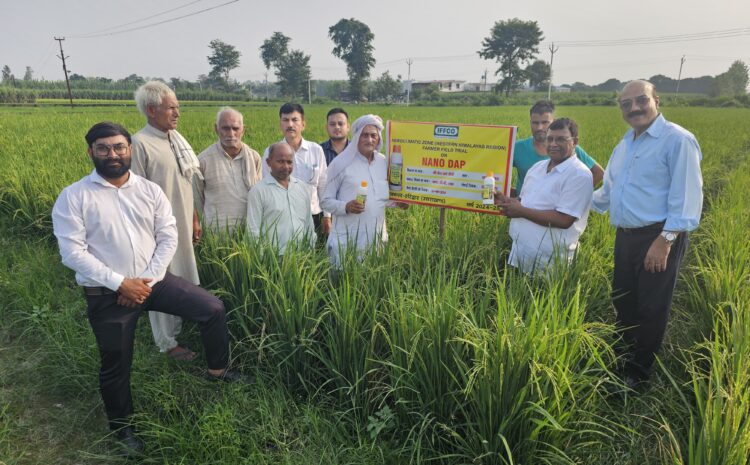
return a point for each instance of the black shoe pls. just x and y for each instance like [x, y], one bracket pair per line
[231, 376]
[130, 444]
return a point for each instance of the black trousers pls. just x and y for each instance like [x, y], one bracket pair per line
[114, 327]
[643, 299]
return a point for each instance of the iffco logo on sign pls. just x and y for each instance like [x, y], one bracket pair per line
[446, 132]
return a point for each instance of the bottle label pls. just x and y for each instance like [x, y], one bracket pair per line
[487, 192]
[361, 198]
[395, 175]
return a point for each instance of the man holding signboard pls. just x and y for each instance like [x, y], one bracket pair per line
[529, 151]
[552, 211]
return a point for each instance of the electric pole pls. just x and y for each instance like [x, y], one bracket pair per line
[484, 79]
[309, 92]
[552, 50]
[65, 69]
[266, 84]
[409, 61]
[679, 75]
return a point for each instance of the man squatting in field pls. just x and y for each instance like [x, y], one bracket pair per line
[116, 230]
[653, 191]
[356, 225]
[163, 156]
[337, 127]
[309, 162]
[229, 168]
[278, 207]
[553, 209]
[527, 152]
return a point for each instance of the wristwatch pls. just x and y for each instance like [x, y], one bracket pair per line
[669, 236]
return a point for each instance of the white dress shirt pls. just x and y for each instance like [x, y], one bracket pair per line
[365, 229]
[107, 234]
[567, 188]
[280, 214]
[310, 168]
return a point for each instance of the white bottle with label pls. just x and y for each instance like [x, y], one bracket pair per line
[395, 174]
[488, 189]
[362, 193]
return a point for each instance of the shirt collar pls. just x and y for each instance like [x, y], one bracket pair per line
[97, 178]
[562, 167]
[655, 130]
[221, 150]
[155, 132]
[273, 182]
[304, 145]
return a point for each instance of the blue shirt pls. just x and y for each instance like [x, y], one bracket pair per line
[525, 156]
[655, 177]
[328, 150]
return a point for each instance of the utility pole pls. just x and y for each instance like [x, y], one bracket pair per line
[679, 75]
[552, 50]
[484, 79]
[409, 62]
[309, 92]
[266, 84]
[65, 69]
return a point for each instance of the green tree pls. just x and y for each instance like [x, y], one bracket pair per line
[734, 81]
[386, 88]
[29, 74]
[6, 73]
[274, 49]
[512, 42]
[223, 59]
[538, 73]
[353, 40]
[292, 74]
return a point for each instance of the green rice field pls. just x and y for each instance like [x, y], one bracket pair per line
[432, 352]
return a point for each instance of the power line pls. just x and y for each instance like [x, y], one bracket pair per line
[722, 34]
[159, 22]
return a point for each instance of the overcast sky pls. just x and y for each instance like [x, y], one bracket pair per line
[441, 36]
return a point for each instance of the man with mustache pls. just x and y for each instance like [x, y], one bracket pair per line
[116, 230]
[552, 211]
[653, 191]
[527, 152]
[163, 156]
[230, 168]
[310, 165]
[278, 207]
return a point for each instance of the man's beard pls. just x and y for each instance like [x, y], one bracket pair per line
[540, 136]
[105, 170]
[338, 139]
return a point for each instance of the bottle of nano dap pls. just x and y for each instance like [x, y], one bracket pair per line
[488, 189]
[395, 174]
[362, 193]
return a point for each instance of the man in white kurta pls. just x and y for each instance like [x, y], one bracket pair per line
[155, 152]
[356, 225]
[553, 208]
[230, 168]
[278, 207]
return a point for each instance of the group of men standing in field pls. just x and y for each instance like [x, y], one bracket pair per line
[128, 228]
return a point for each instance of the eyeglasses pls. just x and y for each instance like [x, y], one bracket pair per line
[102, 150]
[641, 100]
[559, 140]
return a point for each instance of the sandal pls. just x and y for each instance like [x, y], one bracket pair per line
[183, 354]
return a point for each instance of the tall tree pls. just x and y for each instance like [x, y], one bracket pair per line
[292, 74]
[353, 44]
[223, 59]
[734, 80]
[538, 73]
[29, 74]
[512, 42]
[386, 88]
[6, 73]
[274, 49]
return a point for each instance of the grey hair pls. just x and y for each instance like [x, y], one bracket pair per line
[648, 84]
[151, 94]
[276, 145]
[228, 110]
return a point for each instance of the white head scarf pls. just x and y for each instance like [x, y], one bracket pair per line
[345, 158]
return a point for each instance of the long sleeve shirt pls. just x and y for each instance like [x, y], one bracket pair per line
[309, 167]
[280, 214]
[222, 194]
[107, 234]
[653, 178]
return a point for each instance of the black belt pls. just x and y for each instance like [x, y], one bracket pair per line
[97, 291]
[643, 229]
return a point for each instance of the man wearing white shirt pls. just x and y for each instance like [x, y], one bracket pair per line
[309, 162]
[278, 207]
[551, 214]
[116, 230]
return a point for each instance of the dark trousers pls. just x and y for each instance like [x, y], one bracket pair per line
[114, 327]
[643, 299]
[318, 224]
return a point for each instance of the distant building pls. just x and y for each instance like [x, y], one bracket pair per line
[447, 85]
[478, 87]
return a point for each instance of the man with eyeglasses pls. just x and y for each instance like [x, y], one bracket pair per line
[337, 127]
[527, 152]
[551, 214]
[116, 230]
[309, 162]
[653, 191]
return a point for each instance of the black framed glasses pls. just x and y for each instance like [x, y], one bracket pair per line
[102, 150]
[641, 100]
[559, 140]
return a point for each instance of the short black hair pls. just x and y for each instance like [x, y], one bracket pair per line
[337, 110]
[565, 123]
[106, 129]
[541, 107]
[289, 108]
